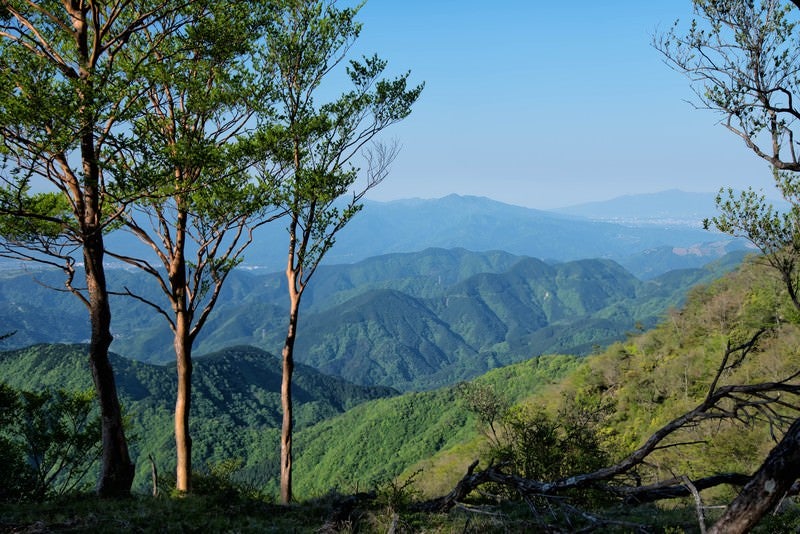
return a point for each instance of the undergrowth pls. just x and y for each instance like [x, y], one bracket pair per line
[239, 512]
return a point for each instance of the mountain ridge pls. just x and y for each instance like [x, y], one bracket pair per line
[455, 315]
[482, 224]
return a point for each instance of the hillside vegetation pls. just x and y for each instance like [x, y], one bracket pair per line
[236, 398]
[644, 382]
[351, 440]
[409, 321]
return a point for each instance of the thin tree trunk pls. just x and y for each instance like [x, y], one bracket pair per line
[767, 488]
[117, 470]
[286, 401]
[183, 357]
[183, 440]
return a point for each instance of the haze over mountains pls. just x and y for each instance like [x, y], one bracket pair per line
[465, 299]
[645, 245]
[673, 208]
[432, 292]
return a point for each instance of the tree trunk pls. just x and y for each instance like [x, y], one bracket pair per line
[183, 440]
[767, 488]
[183, 355]
[286, 401]
[116, 472]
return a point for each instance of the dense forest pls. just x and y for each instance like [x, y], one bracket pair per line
[501, 393]
[409, 321]
[623, 393]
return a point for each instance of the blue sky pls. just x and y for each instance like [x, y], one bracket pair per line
[547, 104]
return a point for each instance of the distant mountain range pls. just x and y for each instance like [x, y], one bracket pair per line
[614, 230]
[409, 321]
[673, 208]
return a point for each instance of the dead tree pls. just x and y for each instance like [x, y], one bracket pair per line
[738, 402]
[768, 486]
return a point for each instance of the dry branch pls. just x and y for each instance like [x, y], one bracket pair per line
[744, 396]
[771, 483]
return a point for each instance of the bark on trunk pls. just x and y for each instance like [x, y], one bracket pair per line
[183, 440]
[183, 356]
[117, 470]
[767, 488]
[286, 403]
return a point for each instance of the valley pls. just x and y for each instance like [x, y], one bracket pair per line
[386, 342]
[424, 318]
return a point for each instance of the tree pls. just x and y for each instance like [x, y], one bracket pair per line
[743, 59]
[49, 442]
[64, 100]
[190, 154]
[771, 403]
[58, 431]
[311, 148]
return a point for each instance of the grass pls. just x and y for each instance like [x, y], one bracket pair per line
[86, 513]
[232, 512]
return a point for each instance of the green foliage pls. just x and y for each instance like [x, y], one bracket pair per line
[219, 482]
[656, 376]
[490, 407]
[52, 220]
[55, 92]
[397, 494]
[312, 145]
[535, 444]
[742, 54]
[50, 441]
[236, 401]
[18, 477]
[775, 233]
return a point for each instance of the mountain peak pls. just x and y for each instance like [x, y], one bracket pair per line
[671, 208]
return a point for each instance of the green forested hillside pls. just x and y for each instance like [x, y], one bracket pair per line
[410, 321]
[641, 383]
[236, 397]
[488, 320]
[348, 436]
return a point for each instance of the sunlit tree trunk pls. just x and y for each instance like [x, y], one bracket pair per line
[286, 391]
[183, 355]
[183, 439]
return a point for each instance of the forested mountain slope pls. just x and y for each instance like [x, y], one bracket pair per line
[410, 321]
[236, 396]
[640, 383]
[236, 414]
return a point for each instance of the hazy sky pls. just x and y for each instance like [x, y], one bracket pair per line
[547, 104]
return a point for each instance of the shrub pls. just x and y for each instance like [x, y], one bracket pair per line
[49, 442]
